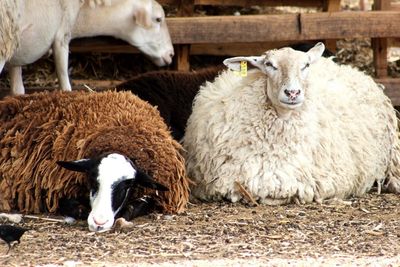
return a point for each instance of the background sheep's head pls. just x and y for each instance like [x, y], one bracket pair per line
[152, 36]
[286, 70]
[111, 179]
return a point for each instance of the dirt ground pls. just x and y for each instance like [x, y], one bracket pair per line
[359, 232]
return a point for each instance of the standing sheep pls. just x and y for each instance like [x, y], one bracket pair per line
[119, 141]
[298, 128]
[45, 24]
[172, 92]
[8, 30]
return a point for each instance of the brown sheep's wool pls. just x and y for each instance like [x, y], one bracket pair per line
[39, 129]
[172, 92]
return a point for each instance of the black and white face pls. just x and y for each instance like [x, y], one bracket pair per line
[111, 179]
[108, 190]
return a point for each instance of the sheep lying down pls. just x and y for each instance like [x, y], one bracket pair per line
[172, 92]
[109, 149]
[298, 128]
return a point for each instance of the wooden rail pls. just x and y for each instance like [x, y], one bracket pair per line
[268, 28]
[246, 3]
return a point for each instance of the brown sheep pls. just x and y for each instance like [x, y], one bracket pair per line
[172, 92]
[40, 129]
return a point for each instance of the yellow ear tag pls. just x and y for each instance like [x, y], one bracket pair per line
[243, 68]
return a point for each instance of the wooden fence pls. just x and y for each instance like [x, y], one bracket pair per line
[253, 34]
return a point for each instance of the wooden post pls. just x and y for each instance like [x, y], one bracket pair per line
[331, 6]
[182, 57]
[379, 45]
[182, 63]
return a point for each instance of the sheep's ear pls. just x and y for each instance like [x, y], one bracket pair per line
[316, 52]
[145, 180]
[82, 165]
[142, 13]
[233, 63]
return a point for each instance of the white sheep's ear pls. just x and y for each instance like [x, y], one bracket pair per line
[233, 63]
[82, 165]
[142, 13]
[316, 52]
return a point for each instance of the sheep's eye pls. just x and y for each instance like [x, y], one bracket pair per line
[158, 19]
[306, 66]
[269, 64]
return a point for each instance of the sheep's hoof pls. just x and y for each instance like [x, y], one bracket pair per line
[122, 225]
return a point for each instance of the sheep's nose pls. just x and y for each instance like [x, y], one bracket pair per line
[292, 94]
[99, 222]
[168, 57]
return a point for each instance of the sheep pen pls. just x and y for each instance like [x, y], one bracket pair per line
[362, 231]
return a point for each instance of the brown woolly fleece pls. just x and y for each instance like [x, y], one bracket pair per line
[39, 129]
[172, 92]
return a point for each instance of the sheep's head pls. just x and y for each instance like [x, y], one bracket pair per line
[286, 70]
[149, 32]
[111, 180]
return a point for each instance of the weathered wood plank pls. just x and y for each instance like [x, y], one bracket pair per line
[331, 6]
[379, 45]
[266, 28]
[182, 57]
[392, 89]
[107, 45]
[236, 49]
[244, 3]
[395, 6]
[230, 29]
[379, 49]
[101, 44]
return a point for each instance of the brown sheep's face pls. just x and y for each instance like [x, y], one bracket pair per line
[111, 180]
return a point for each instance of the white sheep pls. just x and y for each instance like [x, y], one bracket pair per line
[298, 128]
[46, 24]
[8, 30]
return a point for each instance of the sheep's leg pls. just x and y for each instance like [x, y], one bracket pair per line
[2, 62]
[17, 85]
[139, 207]
[392, 183]
[60, 49]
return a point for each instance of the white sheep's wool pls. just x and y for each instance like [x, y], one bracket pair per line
[339, 142]
[35, 25]
[112, 169]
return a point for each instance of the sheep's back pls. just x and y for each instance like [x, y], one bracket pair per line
[172, 92]
[357, 122]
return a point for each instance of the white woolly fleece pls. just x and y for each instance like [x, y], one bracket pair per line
[337, 144]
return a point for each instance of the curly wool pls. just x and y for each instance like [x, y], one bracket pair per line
[341, 140]
[9, 28]
[39, 129]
